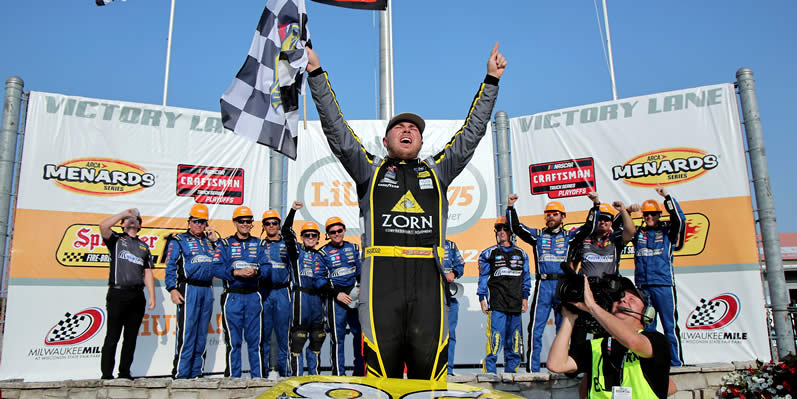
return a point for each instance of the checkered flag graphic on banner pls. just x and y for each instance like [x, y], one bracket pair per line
[707, 313]
[68, 328]
[262, 103]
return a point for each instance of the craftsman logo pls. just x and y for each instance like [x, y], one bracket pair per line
[99, 176]
[210, 184]
[714, 313]
[568, 178]
[665, 167]
[76, 329]
[407, 204]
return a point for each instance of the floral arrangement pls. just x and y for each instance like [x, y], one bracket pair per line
[766, 380]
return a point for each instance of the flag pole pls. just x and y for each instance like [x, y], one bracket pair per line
[168, 55]
[386, 106]
[609, 45]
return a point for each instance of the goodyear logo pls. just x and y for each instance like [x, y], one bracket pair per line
[665, 167]
[695, 235]
[99, 176]
[82, 245]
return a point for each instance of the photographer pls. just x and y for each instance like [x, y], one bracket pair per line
[629, 360]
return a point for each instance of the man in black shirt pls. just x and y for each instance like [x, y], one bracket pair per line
[130, 272]
[630, 359]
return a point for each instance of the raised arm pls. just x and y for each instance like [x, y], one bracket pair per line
[105, 225]
[677, 219]
[521, 230]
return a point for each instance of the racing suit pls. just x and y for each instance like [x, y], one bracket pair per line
[551, 248]
[241, 303]
[504, 281]
[277, 306]
[453, 264]
[189, 269]
[654, 273]
[342, 268]
[307, 318]
[403, 213]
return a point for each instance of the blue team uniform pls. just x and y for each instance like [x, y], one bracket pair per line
[504, 281]
[550, 250]
[307, 318]
[654, 273]
[342, 268]
[189, 269]
[453, 263]
[241, 303]
[277, 306]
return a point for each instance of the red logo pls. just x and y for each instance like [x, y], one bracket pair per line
[714, 313]
[210, 184]
[77, 328]
[568, 178]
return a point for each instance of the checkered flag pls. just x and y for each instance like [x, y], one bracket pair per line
[706, 313]
[69, 328]
[262, 103]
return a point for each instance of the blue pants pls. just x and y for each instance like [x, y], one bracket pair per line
[277, 319]
[663, 299]
[453, 316]
[544, 300]
[193, 319]
[241, 318]
[502, 327]
[307, 325]
[338, 316]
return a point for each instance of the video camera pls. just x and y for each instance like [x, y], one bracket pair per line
[605, 290]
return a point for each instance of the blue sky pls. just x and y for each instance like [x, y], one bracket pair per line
[556, 58]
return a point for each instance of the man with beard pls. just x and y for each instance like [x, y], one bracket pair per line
[551, 246]
[276, 297]
[403, 209]
[654, 244]
[504, 285]
[130, 271]
[189, 274]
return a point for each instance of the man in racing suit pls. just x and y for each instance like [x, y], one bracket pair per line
[243, 261]
[654, 244]
[276, 296]
[453, 268]
[189, 273]
[307, 319]
[403, 212]
[504, 285]
[551, 246]
[342, 268]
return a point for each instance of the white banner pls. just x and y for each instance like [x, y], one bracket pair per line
[688, 141]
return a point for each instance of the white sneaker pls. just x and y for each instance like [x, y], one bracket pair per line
[273, 375]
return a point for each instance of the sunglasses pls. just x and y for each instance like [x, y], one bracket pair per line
[310, 235]
[503, 227]
[271, 223]
[646, 214]
[244, 221]
[605, 219]
[338, 231]
[199, 221]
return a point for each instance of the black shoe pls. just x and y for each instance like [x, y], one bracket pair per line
[106, 377]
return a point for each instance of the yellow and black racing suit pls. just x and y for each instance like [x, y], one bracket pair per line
[403, 212]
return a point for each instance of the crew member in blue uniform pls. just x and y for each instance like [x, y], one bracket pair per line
[454, 268]
[551, 246]
[276, 296]
[654, 244]
[189, 273]
[243, 260]
[504, 285]
[307, 319]
[342, 263]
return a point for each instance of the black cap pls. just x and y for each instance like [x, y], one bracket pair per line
[406, 117]
[627, 285]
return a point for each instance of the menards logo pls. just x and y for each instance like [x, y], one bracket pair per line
[665, 167]
[99, 176]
